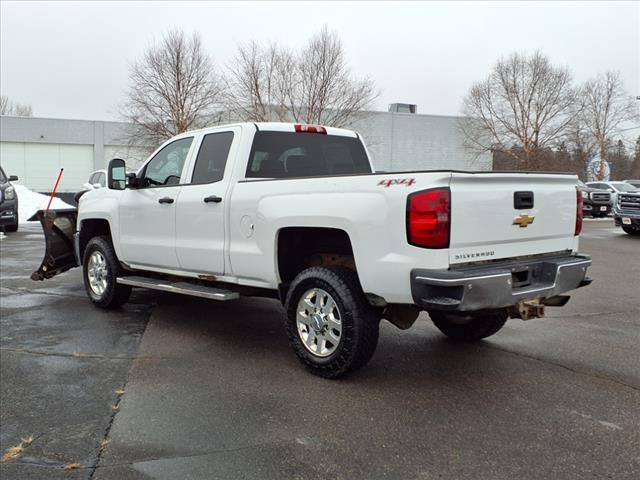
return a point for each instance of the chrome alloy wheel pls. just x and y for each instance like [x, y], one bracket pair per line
[97, 273]
[319, 322]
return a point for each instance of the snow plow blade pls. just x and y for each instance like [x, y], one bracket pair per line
[59, 227]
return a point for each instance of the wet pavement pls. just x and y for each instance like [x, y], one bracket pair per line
[61, 362]
[212, 390]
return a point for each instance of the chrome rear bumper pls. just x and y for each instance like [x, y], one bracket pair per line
[498, 285]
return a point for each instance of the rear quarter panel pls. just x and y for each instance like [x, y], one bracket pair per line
[373, 215]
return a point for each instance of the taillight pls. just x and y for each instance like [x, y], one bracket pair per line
[428, 218]
[299, 127]
[578, 213]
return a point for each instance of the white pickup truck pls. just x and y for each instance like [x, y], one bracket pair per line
[296, 212]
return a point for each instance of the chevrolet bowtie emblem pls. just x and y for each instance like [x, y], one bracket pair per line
[523, 221]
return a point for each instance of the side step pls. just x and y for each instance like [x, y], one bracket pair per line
[182, 288]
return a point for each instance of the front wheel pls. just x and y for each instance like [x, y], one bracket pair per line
[101, 268]
[631, 231]
[331, 327]
[469, 327]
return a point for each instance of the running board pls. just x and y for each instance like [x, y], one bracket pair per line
[182, 288]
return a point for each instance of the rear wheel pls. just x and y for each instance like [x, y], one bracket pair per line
[631, 231]
[469, 327]
[101, 268]
[331, 327]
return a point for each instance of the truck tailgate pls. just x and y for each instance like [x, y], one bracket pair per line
[492, 216]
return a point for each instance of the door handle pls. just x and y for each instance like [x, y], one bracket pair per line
[166, 200]
[212, 198]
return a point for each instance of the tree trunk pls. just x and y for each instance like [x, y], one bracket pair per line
[602, 166]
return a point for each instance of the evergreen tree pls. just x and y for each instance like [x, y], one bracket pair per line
[635, 168]
[620, 162]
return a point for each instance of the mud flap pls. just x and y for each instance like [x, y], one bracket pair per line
[59, 227]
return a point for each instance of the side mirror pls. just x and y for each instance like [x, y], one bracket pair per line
[132, 180]
[117, 174]
[13, 178]
[96, 185]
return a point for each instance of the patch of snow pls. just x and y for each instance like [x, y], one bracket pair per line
[599, 219]
[29, 202]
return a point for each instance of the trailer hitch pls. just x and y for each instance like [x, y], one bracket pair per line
[527, 310]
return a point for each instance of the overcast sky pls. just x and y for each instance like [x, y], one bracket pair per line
[71, 59]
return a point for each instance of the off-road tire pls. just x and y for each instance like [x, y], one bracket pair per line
[114, 294]
[469, 327]
[360, 322]
[631, 231]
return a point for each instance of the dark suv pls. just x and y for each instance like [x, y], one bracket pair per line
[8, 203]
[596, 202]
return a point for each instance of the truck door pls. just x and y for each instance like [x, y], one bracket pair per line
[148, 213]
[201, 206]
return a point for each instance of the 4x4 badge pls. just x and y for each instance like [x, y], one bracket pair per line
[523, 221]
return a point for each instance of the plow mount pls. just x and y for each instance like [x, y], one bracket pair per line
[58, 227]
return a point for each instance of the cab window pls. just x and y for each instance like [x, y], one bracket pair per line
[292, 155]
[212, 158]
[165, 168]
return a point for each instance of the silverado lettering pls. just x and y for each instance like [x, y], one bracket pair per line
[465, 256]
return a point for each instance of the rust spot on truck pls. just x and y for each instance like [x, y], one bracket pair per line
[208, 278]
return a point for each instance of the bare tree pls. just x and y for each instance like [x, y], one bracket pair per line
[525, 102]
[607, 107]
[313, 85]
[173, 88]
[7, 107]
[322, 89]
[258, 82]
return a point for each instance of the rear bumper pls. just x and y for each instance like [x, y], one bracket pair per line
[498, 285]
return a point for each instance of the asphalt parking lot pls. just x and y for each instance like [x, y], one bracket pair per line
[173, 387]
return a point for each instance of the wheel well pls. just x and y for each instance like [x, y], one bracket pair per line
[92, 228]
[303, 247]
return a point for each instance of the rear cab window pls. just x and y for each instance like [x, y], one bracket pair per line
[299, 154]
[212, 158]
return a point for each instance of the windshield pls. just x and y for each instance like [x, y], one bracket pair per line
[3, 177]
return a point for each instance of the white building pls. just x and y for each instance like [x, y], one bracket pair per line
[35, 149]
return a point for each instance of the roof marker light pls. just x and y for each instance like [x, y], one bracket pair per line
[301, 127]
